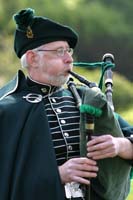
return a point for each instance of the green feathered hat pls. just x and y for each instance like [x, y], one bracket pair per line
[34, 31]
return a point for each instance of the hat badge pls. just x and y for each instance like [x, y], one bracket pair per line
[29, 32]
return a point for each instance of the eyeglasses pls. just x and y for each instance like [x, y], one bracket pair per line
[60, 51]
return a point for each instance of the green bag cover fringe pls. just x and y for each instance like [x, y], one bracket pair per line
[113, 180]
[96, 112]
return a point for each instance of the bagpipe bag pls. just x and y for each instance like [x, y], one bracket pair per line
[113, 180]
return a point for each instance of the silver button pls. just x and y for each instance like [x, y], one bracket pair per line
[63, 121]
[44, 90]
[66, 135]
[70, 148]
[53, 100]
[58, 110]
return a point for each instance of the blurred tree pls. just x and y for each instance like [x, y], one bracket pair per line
[7, 10]
[103, 29]
[103, 26]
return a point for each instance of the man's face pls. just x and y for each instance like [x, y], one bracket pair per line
[52, 66]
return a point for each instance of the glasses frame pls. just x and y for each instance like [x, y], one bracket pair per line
[60, 51]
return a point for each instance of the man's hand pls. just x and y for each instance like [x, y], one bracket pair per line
[78, 170]
[106, 146]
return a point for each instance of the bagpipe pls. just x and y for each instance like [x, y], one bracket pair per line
[97, 117]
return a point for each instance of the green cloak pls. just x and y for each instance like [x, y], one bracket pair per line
[28, 168]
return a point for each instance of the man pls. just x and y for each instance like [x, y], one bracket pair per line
[39, 151]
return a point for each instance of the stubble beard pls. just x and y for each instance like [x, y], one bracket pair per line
[59, 80]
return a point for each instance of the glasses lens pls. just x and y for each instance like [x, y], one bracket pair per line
[61, 51]
[70, 51]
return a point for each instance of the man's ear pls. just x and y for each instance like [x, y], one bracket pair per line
[31, 58]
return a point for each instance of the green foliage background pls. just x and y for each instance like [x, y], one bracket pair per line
[103, 26]
[130, 197]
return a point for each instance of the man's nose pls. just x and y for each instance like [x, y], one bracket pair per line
[68, 58]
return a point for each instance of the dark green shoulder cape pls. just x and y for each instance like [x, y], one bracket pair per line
[28, 168]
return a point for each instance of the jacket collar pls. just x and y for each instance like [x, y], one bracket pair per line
[12, 86]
